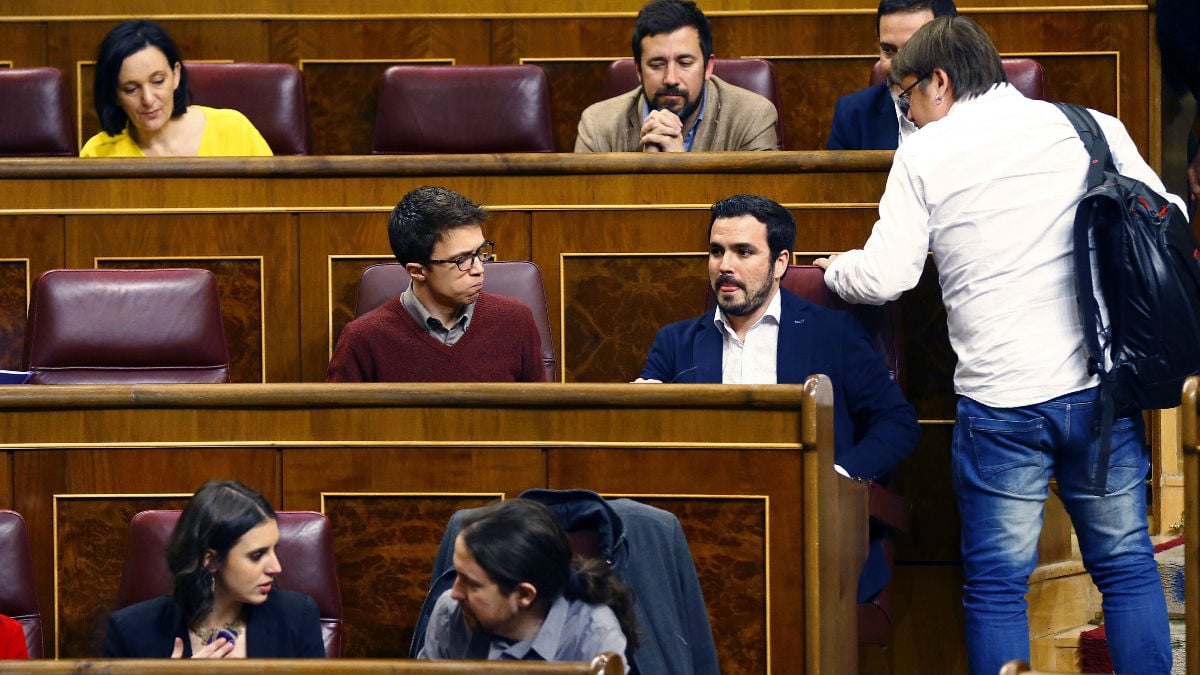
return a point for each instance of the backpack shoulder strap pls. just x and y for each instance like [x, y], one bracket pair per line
[1100, 161]
[1093, 139]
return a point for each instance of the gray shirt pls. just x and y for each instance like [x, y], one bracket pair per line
[572, 631]
[448, 335]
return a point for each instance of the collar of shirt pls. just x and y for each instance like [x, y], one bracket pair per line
[774, 308]
[543, 646]
[433, 326]
[691, 134]
[754, 360]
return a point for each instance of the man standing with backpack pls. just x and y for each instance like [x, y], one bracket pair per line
[990, 183]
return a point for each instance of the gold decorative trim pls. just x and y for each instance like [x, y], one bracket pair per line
[426, 16]
[766, 499]
[800, 206]
[447, 61]
[54, 535]
[28, 281]
[569, 59]
[262, 286]
[529, 444]
[436, 495]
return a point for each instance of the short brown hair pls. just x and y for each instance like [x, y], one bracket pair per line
[957, 45]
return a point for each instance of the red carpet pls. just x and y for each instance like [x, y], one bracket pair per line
[1093, 652]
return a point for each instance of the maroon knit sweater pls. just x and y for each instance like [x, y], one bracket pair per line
[386, 345]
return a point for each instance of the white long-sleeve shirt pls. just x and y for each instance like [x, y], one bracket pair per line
[991, 190]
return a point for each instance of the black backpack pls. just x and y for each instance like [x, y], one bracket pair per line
[1148, 264]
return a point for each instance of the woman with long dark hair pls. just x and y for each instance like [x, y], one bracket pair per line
[225, 602]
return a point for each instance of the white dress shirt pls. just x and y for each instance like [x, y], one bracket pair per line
[751, 361]
[991, 190]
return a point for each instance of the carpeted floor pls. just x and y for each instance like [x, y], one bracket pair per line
[1093, 648]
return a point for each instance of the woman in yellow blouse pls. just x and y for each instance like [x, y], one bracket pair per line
[141, 98]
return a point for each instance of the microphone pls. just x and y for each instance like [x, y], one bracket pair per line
[681, 373]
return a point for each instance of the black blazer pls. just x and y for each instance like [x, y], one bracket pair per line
[287, 625]
[865, 120]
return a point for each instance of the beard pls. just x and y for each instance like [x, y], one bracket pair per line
[685, 111]
[751, 302]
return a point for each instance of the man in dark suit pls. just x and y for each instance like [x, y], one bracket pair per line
[763, 334]
[868, 119]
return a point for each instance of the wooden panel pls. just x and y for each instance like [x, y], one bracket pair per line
[351, 8]
[556, 233]
[24, 44]
[48, 474]
[925, 481]
[1189, 440]
[261, 311]
[385, 547]
[646, 292]
[14, 300]
[818, 82]
[923, 597]
[342, 101]
[29, 245]
[723, 468]
[6, 482]
[574, 85]
[730, 554]
[92, 541]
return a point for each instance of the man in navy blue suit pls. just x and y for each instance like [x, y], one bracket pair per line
[868, 119]
[763, 334]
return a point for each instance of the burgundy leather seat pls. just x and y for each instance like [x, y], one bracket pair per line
[305, 551]
[18, 595]
[463, 109]
[106, 326]
[271, 95]
[515, 278]
[757, 75]
[1027, 75]
[36, 118]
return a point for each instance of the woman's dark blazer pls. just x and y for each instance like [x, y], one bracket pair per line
[287, 625]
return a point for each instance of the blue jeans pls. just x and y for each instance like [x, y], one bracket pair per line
[1002, 462]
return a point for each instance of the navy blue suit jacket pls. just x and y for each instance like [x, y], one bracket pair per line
[874, 426]
[865, 120]
[286, 625]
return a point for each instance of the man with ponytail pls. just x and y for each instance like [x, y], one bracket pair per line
[520, 595]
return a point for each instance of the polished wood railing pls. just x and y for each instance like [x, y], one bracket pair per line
[778, 537]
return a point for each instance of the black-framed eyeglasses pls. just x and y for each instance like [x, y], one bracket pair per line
[466, 261]
[905, 98]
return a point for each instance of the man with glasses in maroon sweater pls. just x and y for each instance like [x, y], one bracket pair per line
[443, 328]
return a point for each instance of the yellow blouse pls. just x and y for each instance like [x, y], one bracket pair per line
[227, 133]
